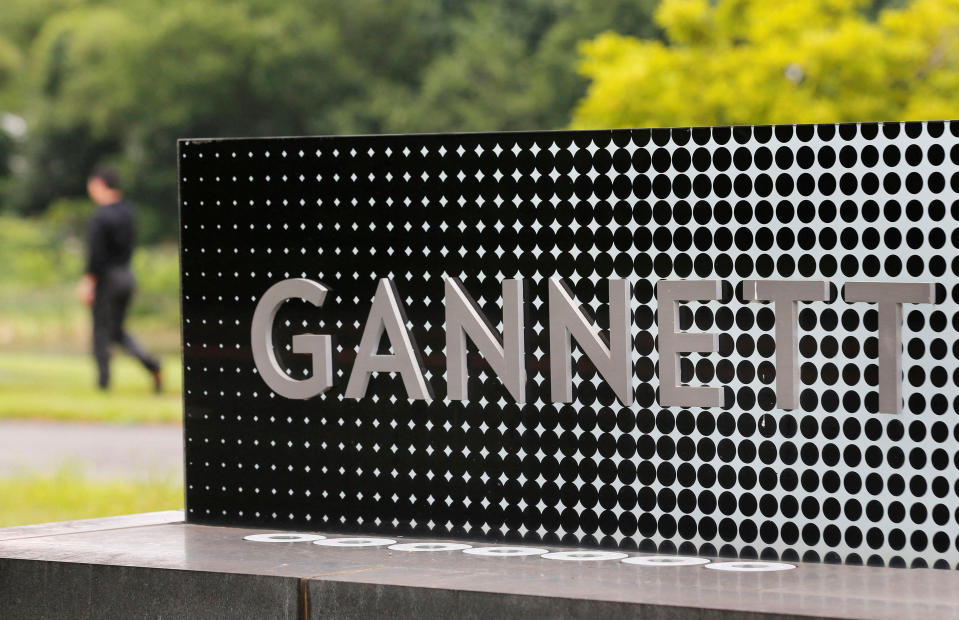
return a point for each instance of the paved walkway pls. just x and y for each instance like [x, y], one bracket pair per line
[99, 450]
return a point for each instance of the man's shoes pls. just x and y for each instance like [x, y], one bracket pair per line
[157, 381]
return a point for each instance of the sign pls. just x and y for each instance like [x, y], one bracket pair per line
[736, 341]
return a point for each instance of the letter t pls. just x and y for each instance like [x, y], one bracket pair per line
[785, 294]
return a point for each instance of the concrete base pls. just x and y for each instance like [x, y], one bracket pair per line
[155, 566]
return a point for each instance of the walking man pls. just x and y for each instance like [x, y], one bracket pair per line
[107, 286]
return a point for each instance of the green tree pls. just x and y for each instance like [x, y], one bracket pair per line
[10, 61]
[511, 64]
[388, 43]
[751, 61]
[119, 81]
[125, 82]
[71, 64]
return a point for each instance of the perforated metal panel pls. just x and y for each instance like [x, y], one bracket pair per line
[833, 480]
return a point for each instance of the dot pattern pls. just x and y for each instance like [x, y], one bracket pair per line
[832, 481]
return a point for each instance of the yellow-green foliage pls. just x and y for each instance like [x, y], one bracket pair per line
[789, 61]
[9, 59]
[67, 495]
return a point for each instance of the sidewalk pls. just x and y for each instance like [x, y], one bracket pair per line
[99, 450]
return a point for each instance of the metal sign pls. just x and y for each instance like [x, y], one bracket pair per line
[735, 341]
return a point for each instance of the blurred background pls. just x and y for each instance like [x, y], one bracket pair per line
[88, 82]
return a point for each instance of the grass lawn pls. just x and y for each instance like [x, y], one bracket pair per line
[66, 495]
[46, 372]
[61, 386]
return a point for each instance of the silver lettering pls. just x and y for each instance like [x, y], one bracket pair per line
[673, 343]
[567, 320]
[387, 315]
[785, 296]
[319, 346]
[464, 318]
[890, 296]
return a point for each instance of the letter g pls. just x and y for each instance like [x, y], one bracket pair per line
[319, 346]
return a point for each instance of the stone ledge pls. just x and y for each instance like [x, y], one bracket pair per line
[156, 566]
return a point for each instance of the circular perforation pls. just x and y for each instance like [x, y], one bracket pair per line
[429, 546]
[284, 537]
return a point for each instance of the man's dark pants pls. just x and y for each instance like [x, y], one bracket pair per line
[111, 300]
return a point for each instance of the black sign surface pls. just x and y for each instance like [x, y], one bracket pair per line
[593, 233]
